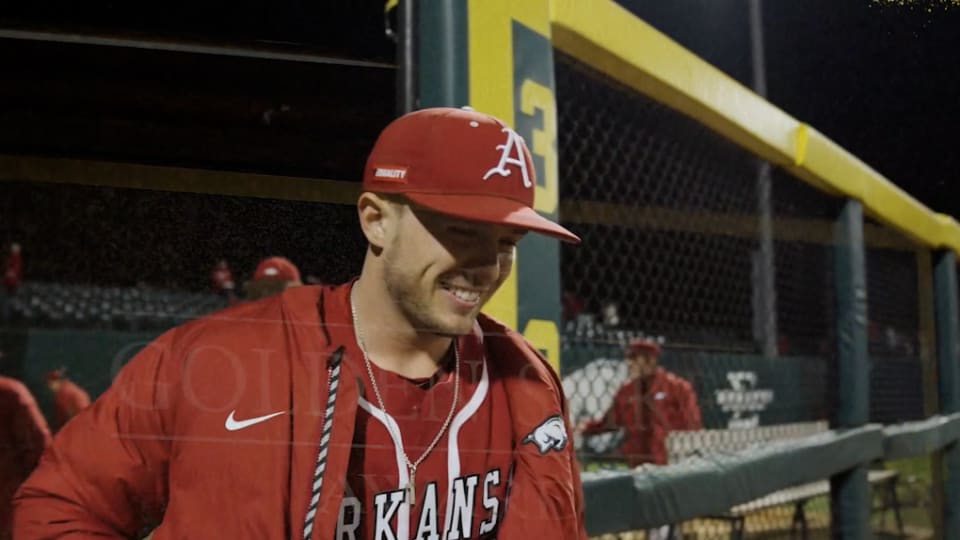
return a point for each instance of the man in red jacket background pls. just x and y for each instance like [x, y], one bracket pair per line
[68, 398]
[652, 403]
[13, 269]
[23, 436]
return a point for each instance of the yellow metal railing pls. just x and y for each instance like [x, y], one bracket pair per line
[613, 41]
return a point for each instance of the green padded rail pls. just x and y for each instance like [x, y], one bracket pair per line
[712, 484]
[920, 438]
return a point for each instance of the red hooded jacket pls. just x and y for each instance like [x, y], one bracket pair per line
[647, 410]
[153, 450]
[23, 436]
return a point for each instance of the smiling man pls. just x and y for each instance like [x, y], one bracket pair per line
[387, 408]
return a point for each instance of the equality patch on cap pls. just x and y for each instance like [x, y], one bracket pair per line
[390, 173]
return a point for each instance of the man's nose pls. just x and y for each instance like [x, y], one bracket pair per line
[481, 263]
[482, 272]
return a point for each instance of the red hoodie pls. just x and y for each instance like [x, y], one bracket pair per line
[240, 425]
[647, 410]
[23, 436]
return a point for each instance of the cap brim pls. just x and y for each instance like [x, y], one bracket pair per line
[492, 210]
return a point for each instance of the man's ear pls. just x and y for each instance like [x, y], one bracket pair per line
[378, 217]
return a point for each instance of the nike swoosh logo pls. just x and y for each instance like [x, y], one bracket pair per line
[232, 424]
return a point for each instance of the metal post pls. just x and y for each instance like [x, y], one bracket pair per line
[765, 287]
[948, 364]
[850, 492]
[928, 361]
[927, 332]
[406, 56]
[442, 75]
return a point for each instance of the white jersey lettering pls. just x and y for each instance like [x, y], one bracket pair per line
[463, 497]
[427, 525]
[385, 507]
[490, 503]
[348, 530]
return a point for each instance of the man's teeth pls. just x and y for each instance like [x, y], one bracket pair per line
[465, 295]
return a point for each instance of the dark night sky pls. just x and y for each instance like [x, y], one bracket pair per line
[880, 79]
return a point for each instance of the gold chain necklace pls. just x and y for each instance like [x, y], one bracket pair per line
[411, 465]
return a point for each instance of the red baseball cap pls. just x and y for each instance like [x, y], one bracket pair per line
[278, 268]
[642, 345]
[55, 374]
[460, 163]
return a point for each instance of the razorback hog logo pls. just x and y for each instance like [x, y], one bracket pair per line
[511, 153]
[549, 435]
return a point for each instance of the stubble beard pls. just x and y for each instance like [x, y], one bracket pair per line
[418, 309]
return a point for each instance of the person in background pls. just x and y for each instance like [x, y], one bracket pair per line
[12, 274]
[13, 269]
[272, 275]
[23, 436]
[572, 304]
[221, 279]
[68, 398]
[652, 403]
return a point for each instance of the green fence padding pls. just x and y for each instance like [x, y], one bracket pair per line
[92, 357]
[920, 438]
[652, 496]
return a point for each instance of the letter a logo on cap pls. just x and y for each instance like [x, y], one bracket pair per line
[511, 153]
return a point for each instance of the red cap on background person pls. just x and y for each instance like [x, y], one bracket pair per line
[642, 356]
[55, 374]
[460, 163]
[279, 268]
[642, 346]
[271, 276]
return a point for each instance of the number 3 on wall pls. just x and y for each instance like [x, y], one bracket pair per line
[543, 334]
[534, 96]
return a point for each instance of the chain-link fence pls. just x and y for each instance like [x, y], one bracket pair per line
[665, 209]
[107, 269]
[99, 235]
[893, 327]
[900, 338]
[673, 221]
